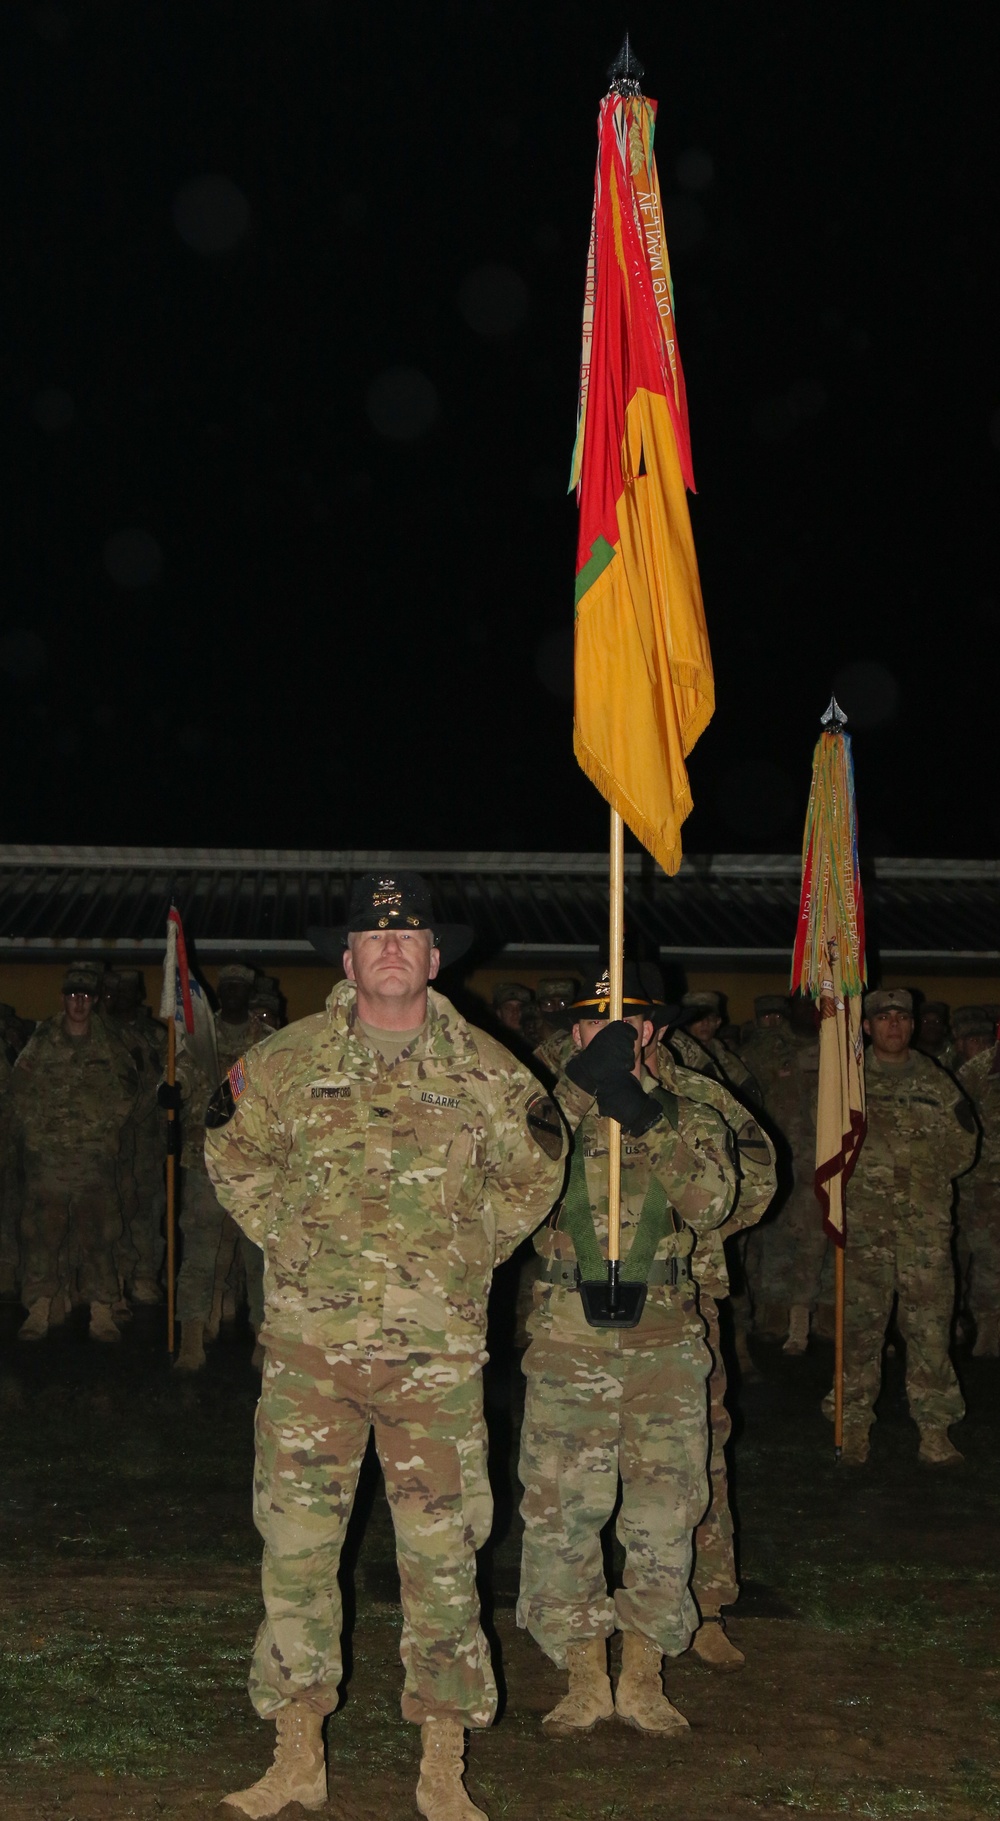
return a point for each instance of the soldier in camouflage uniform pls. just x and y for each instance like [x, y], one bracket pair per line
[74, 1087]
[602, 1402]
[386, 1155]
[9, 1185]
[555, 1038]
[933, 1036]
[211, 1239]
[979, 1194]
[785, 1256]
[714, 1582]
[142, 1153]
[696, 1045]
[921, 1135]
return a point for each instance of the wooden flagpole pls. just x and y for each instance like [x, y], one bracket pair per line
[616, 945]
[838, 1350]
[172, 1134]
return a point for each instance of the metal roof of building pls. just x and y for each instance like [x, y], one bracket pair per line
[734, 910]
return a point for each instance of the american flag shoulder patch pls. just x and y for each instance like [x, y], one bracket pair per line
[237, 1079]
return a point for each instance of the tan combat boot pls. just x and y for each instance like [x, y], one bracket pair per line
[36, 1323]
[146, 1290]
[937, 1449]
[191, 1357]
[298, 1773]
[441, 1794]
[855, 1447]
[103, 1326]
[771, 1321]
[798, 1329]
[589, 1698]
[639, 1697]
[987, 1336]
[711, 1645]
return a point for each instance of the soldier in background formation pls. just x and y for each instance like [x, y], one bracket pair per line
[786, 1254]
[979, 1194]
[921, 1136]
[695, 1044]
[714, 1582]
[554, 1044]
[73, 1089]
[211, 1239]
[933, 1036]
[143, 1138]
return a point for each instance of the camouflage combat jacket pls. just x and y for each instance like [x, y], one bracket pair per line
[713, 1058]
[755, 1164]
[554, 1052]
[383, 1196]
[786, 1068]
[72, 1095]
[921, 1135]
[146, 1043]
[980, 1077]
[694, 1163]
[232, 1041]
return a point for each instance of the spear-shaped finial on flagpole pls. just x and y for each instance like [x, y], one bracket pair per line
[626, 72]
[834, 719]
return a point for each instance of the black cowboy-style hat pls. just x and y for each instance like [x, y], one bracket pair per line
[595, 995]
[391, 901]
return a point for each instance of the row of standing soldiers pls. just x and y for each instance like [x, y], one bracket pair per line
[82, 1154]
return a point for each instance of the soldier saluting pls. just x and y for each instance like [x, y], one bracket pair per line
[386, 1156]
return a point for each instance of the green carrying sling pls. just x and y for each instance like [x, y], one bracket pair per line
[656, 1220]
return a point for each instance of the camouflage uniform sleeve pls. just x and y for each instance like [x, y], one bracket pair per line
[246, 1147]
[527, 1163]
[962, 1133]
[697, 1165]
[574, 1102]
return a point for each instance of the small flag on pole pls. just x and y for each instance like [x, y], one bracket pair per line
[829, 964]
[183, 1003]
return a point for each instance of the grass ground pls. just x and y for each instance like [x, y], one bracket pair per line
[130, 1598]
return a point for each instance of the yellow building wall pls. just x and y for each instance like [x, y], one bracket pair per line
[33, 987]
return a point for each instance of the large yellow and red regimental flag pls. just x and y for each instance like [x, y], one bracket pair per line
[644, 689]
[829, 965]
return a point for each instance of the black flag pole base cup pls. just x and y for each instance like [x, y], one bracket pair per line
[613, 1304]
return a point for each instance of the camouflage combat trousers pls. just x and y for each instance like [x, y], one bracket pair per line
[10, 1207]
[313, 1421]
[143, 1196]
[714, 1582]
[205, 1227]
[71, 1223]
[916, 1269]
[979, 1246]
[590, 1415]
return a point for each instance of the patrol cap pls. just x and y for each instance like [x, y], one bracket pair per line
[700, 1005]
[390, 900]
[888, 999]
[936, 1008]
[82, 977]
[506, 990]
[235, 974]
[563, 986]
[130, 978]
[973, 1021]
[594, 1000]
[772, 1002]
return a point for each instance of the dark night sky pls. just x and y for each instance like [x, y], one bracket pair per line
[290, 560]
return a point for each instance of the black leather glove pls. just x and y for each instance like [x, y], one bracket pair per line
[608, 1056]
[169, 1097]
[624, 1100]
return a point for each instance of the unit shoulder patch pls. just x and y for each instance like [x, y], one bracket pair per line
[546, 1126]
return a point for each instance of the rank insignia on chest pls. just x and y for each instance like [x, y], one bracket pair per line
[323, 1091]
[441, 1100]
[237, 1080]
